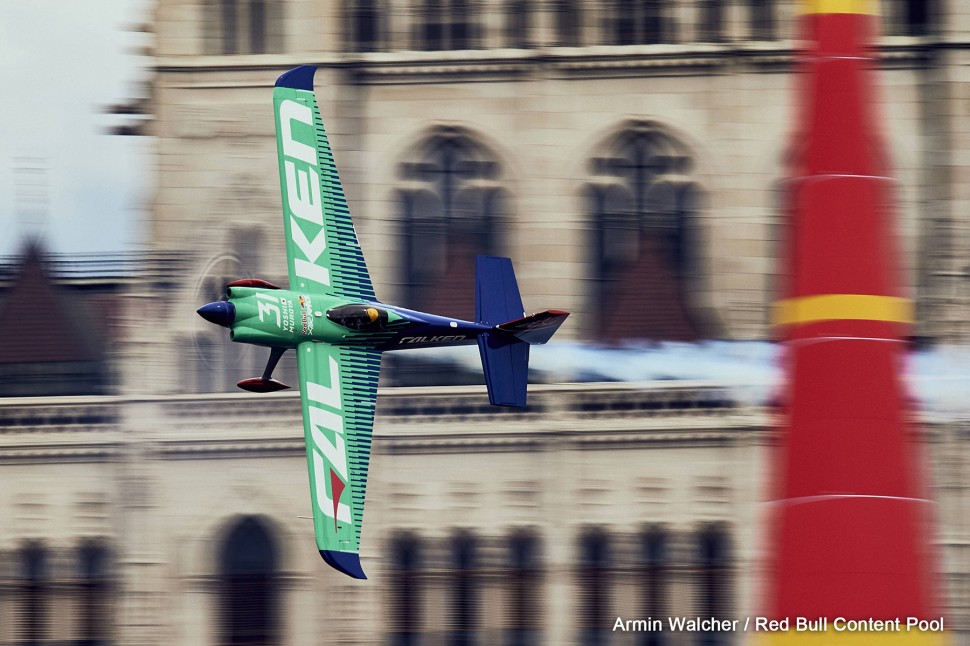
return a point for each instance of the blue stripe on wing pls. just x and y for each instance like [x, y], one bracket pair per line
[358, 383]
[348, 271]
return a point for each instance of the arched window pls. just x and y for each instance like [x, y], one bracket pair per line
[34, 594]
[249, 588]
[464, 590]
[94, 588]
[453, 209]
[654, 581]
[643, 218]
[654, 24]
[243, 26]
[406, 590]
[711, 26]
[638, 22]
[448, 24]
[568, 21]
[919, 17]
[624, 22]
[517, 24]
[525, 590]
[762, 16]
[365, 26]
[594, 584]
[908, 17]
[463, 27]
[713, 597]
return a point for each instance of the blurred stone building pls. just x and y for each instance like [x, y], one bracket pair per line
[626, 155]
[181, 519]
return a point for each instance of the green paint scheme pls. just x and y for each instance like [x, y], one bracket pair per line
[308, 174]
[338, 387]
[332, 319]
[329, 316]
[338, 370]
[283, 318]
[338, 383]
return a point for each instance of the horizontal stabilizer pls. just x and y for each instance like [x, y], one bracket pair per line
[535, 329]
[346, 562]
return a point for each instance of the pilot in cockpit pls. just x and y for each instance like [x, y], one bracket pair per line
[359, 317]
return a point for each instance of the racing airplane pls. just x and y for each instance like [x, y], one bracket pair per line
[332, 319]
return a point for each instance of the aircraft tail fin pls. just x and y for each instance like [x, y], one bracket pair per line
[496, 292]
[505, 350]
[506, 363]
[505, 358]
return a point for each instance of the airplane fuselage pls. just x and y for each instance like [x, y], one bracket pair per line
[284, 319]
[331, 317]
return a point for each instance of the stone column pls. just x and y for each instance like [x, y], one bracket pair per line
[143, 613]
[400, 17]
[492, 21]
[544, 23]
[592, 15]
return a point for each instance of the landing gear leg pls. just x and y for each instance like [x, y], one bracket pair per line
[266, 383]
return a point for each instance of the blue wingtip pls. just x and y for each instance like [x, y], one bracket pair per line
[298, 78]
[346, 562]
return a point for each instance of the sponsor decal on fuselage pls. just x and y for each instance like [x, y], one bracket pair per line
[306, 315]
[289, 320]
[410, 340]
[279, 310]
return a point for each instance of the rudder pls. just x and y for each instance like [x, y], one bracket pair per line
[497, 297]
[505, 359]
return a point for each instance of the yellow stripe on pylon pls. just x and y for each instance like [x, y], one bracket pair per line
[839, 6]
[835, 307]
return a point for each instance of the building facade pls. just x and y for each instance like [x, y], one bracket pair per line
[628, 156]
[181, 519]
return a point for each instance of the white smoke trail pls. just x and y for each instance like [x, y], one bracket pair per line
[938, 379]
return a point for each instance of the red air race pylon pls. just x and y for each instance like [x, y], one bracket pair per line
[850, 558]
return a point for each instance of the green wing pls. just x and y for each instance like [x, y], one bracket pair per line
[338, 387]
[322, 251]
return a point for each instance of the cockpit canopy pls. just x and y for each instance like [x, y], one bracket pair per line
[362, 318]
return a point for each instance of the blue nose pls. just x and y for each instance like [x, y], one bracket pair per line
[221, 313]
